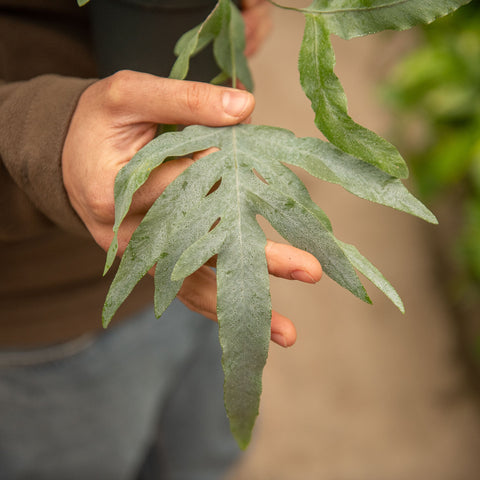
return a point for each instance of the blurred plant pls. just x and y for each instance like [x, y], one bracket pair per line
[435, 91]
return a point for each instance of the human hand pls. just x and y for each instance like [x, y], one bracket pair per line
[117, 116]
[199, 290]
[258, 23]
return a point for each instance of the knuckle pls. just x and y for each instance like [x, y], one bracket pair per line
[117, 87]
[100, 205]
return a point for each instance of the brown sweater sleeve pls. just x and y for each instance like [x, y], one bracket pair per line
[34, 119]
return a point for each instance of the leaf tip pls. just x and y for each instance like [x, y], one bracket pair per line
[402, 170]
[106, 268]
[242, 439]
[243, 445]
[111, 254]
[426, 214]
[106, 317]
[177, 273]
[397, 301]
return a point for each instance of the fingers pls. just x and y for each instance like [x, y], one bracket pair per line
[283, 330]
[292, 263]
[116, 116]
[162, 100]
[199, 293]
[199, 290]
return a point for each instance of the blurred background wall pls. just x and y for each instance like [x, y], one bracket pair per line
[366, 393]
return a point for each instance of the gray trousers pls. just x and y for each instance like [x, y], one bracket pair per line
[141, 401]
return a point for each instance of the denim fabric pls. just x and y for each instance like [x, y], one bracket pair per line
[145, 396]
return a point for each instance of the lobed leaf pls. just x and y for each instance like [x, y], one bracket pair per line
[130, 179]
[327, 162]
[192, 221]
[160, 232]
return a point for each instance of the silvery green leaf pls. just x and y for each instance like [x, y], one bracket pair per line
[196, 39]
[148, 158]
[373, 274]
[192, 221]
[327, 162]
[229, 46]
[225, 28]
[323, 88]
[354, 18]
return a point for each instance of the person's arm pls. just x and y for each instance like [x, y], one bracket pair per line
[34, 119]
[114, 118]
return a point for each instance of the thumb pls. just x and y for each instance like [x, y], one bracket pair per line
[163, 100]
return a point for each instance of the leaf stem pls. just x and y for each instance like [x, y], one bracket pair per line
[339, 10]
[232, 53]
[283, 7]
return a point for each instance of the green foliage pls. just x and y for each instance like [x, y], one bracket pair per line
[355, 18]
[348, 19]
[329, 103]
[196, 225]
[438, 87]
[224, 27]
[192, 221]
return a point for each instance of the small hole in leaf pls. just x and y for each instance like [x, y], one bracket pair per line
[215, 187]
[259, 176]
[215, 223]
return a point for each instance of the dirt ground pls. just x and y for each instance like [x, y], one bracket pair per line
[366, 393]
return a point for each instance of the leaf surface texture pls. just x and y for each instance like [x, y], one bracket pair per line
[354, 18]
[190, 222]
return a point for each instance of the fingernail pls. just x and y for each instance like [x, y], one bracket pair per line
[235, 102]
[279, 338]
[302, 276]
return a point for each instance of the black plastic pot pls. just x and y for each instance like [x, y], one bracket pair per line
[141, 34]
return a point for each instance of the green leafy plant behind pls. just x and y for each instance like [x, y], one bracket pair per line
[192, 221]
[436, 87]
